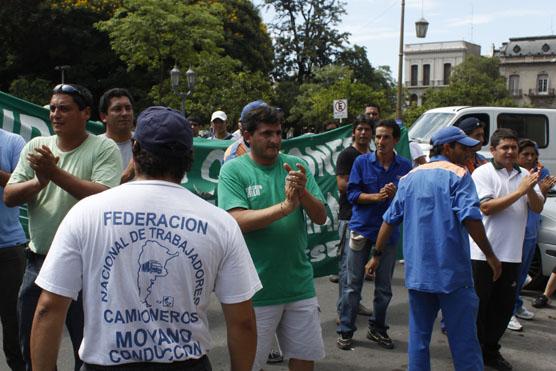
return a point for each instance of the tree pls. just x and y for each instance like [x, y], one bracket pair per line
[305, 36]
[246, 37]
[155, 33]
[356, 59]
[314, 103]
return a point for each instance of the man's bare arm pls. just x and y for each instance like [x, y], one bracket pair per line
[19, 193]
[342, 182]
[75, 186]
[476, 230]
[4, 177]
[535, 201]
[242, 334]
[252, 220]
[495, 205]
[314, 208]
[46, 334]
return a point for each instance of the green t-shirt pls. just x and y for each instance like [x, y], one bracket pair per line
[96, 159]
[279, 250]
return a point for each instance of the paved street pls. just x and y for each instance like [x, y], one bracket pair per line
[532, 349]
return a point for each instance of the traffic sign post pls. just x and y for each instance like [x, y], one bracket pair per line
[340, 108]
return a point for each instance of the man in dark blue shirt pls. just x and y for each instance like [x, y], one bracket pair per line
[372, 185]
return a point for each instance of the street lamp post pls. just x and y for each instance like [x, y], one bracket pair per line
[191, 77]
[62, 69]
[421, 30]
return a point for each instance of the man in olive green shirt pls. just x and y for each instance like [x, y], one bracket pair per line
[52, 174]
[268, 200]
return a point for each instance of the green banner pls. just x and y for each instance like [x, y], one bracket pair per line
[319, 150]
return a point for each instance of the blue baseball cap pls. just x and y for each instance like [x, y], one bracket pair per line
[452, 134]
[250, 107]
[469, 124]
[164, 132]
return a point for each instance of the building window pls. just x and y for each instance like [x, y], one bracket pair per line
[542, 83]
[426, 74]
[513, 85]
[414, 71]
[447, 72]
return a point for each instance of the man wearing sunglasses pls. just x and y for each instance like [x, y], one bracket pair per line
[52, 174]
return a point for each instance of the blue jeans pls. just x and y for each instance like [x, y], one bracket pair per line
[356, 261]
[27, 303]
[529, 246]
[343, 232]
[459, 309]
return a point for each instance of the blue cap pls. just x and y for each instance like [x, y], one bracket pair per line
[164, 132]
[452, 134]
[469, 124]
[250, 107]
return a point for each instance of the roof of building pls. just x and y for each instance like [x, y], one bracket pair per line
[529, 46]
[441, 46]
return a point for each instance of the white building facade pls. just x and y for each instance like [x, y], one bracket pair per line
[429, 65]
[529, 65]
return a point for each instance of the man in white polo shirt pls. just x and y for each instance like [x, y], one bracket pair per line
[505, 192]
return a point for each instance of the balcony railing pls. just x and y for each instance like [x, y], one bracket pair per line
[544, 93]
[419, 84]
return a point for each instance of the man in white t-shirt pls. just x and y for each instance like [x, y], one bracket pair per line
[148, 255]
[505, 192]
[116, 112]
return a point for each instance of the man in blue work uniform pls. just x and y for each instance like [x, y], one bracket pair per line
[438, 270]
[372, 185]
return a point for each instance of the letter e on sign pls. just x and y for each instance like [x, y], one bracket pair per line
[340, 109]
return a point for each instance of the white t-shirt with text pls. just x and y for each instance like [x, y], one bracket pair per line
[148, 255]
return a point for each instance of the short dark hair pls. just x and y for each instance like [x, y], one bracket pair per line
[502, 133]
[264, 114]
[80, 94]
[155, 166]
[525, 142]
[104, 101]
[392, 124]
[373, 104]
[437, 149]
[362, 120]
[193, 118]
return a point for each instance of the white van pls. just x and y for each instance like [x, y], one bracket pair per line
[534, 123]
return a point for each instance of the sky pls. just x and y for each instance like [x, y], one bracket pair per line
[375, 24]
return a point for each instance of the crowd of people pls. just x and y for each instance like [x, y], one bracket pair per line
[127, 258]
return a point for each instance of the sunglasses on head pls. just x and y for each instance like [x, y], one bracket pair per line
[76, 93]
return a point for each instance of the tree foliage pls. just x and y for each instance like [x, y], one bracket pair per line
[314, 103]
[305, 36]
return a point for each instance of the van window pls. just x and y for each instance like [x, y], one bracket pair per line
[534, 127]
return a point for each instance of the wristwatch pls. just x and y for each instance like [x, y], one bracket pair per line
[375, 252]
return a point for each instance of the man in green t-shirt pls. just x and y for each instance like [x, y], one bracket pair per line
[52, 174]
[269, 201]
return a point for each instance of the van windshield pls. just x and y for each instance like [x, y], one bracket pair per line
[422, 129]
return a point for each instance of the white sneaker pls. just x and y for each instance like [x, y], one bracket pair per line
[514, 324]
[523, 313]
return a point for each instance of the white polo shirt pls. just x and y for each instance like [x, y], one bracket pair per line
[506, 229]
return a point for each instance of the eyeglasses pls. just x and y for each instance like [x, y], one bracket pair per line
[76, 93]
[372, 113]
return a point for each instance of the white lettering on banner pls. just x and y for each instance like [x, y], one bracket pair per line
[8, 122]
[331, 219]
[214, 156]
[30, 122]
[323, 251]
[321, 160]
